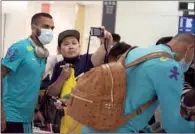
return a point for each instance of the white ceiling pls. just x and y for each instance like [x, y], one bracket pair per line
[72, 2]
[8, 6]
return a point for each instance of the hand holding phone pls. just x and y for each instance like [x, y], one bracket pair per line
[59, 103]
[102, 34]
[97, 31]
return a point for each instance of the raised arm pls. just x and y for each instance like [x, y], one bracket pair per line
[98, 57]
[57, 81]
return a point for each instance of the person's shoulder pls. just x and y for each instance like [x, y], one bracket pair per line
[162, 62]
[18, 48]
[21, 45]
[23, 42]
[163, 66]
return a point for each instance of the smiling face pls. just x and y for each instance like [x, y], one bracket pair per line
[69, 47]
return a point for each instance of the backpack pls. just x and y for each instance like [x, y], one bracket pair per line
[98, 99]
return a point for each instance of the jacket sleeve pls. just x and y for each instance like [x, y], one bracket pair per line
[168, 84]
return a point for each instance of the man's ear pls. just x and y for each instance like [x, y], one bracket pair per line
[33, 29]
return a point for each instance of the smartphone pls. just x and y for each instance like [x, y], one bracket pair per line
[96, 31]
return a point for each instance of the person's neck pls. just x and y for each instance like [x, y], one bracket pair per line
[72, 60]
[176, 49]
[36, 41]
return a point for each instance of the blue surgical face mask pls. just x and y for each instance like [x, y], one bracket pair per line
[185, 65]
[46, 36]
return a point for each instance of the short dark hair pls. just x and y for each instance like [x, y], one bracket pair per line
[164, 40]
[37, 16]
[116, 37]
[185, 37]
[118, 49]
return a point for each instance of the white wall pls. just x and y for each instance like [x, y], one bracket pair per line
[142, 23]
[139, 23]
[18, 21]
[3, 33]
[15, 22]
[64, 18]
[93, 18]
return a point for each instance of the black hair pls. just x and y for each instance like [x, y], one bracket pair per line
[37, 16]
[118, 49]
[116, 37]
[164, 40]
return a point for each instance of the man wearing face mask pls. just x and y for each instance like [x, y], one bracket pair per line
[161, 77]
[22, 70]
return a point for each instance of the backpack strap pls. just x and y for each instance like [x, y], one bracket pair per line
[150, 56]
[151, 102]
[140, 109]
[123, 56]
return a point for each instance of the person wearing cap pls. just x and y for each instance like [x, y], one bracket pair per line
[69, 47]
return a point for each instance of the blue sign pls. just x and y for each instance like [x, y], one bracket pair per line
[186, 24]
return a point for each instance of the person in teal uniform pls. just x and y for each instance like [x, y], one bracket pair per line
[22, 70]
[161, 77]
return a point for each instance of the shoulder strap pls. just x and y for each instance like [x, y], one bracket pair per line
[122, 58]
[151, 102]
[141, 109]
[138, 111]
[148, 57]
